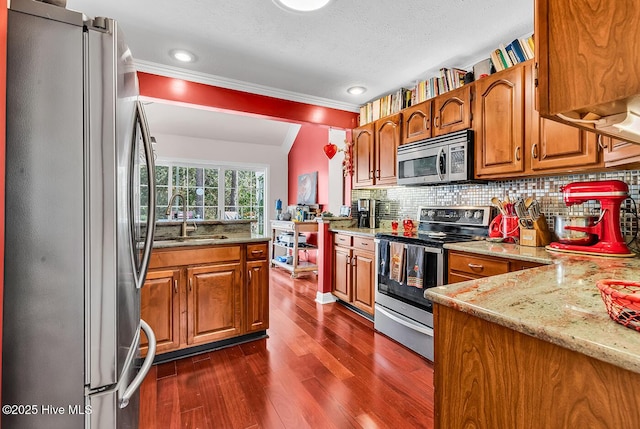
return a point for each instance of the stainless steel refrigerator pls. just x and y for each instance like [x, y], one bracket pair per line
[78, 230]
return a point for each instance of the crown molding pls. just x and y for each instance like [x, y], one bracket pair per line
[209, 79]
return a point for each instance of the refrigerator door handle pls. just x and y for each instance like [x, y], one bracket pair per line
[151, 212]
[144, 369]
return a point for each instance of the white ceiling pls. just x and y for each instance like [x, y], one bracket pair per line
[255, 46]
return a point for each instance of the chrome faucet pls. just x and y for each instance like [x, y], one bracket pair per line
[185, 228]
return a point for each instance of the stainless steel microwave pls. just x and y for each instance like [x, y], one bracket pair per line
[438, 160]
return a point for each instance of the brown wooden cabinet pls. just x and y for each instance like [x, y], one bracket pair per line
[197, 295]
[160, 308]
[587, 56]
[416, 122]
[621, 154]
[513, 140]
[363, 155]
[257, 292]
[465, 266]
[499, 116]
[490, 376]
[374, 152]
[214, 302]
[440, 115]
[452, 111]
[354, 271]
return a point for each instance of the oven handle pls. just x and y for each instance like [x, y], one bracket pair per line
[405, 322]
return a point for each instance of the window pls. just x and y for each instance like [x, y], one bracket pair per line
[212, 192]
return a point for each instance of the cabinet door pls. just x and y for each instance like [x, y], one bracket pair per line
[214, 298]
[341, 286]
[387, 139]
[621, 153]
[452, 111]
[587, 54]
[257, 311]
[363, 155]
[363, 280]
[558, 146]
[499, 123]
[416, 122]
[160, 308]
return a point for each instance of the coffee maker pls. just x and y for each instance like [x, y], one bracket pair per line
[611, 194]
[366, 213]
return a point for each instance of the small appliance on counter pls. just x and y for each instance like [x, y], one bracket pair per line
[366, 213]
[608, 235]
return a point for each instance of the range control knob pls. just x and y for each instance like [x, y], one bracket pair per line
[468, 214]
[478, 214]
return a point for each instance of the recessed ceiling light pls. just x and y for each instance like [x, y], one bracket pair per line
[302, 5]
[357, 90]
[183, 56]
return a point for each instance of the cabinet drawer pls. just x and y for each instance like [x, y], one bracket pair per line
[477, 265]
[363, 243]
[194, 255]
[257, 251]
[342, 239]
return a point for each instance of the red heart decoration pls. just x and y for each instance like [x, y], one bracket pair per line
[330, 150]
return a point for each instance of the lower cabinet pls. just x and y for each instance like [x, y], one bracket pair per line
[214, 302]
[197, 295]
[465, 266]
[354, 271]
[160, 308]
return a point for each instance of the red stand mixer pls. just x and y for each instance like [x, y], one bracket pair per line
[611, 194]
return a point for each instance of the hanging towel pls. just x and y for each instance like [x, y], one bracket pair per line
[396, 264]
[383, 268]
[415, 266]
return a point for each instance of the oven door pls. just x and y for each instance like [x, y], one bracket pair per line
[419, 163]
[432, 276]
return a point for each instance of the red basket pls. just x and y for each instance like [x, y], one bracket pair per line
[622, 299]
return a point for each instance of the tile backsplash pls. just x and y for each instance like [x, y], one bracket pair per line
[401, 201]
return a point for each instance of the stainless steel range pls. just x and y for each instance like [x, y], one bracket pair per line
[409, 263]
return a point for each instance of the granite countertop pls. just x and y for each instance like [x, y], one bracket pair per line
[368, 232]
[505, 250]
[558, 302]
[209, 241]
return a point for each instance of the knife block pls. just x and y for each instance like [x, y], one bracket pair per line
[538, 236]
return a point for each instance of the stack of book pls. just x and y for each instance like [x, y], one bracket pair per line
[423, 90]
[449, 79]
[518, 51]
[384, 106]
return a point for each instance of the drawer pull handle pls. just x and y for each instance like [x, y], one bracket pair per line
[364, 243]
[475, 266]
[257, 252]
[175, 286]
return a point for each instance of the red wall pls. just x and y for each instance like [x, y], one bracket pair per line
[306, 156]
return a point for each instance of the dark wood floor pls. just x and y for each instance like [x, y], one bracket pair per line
[321, 367]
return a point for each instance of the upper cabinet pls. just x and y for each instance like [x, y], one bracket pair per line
[440, 115]
[513, 140]
[452, 111]
[363, 155]
[499, 109]
[374, 152]
[416, 122]
[587, 56]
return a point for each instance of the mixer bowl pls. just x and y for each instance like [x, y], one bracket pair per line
[567, 236]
